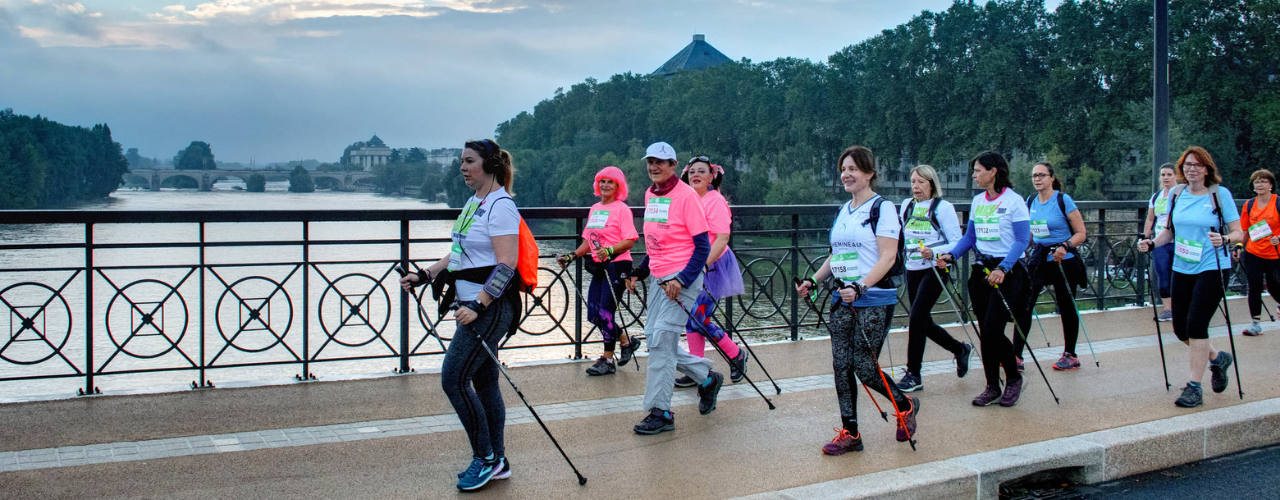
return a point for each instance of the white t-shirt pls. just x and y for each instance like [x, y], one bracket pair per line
[472, 236]
[1159, 205]
[918, 227]
[854, 249]
[993, 221]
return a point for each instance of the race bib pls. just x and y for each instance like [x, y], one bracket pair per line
[1040, 228]
[844, 266]
[657, 210]
[1188, 251]
[1259, 231]
[988, 228]
[455, 256]
[598, 219]
[1162, 206]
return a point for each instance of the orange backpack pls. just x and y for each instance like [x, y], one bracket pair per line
[527, 262]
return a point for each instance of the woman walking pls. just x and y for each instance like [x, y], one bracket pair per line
[1260, 259]
[1157, 220]
[998, 233]
[478, 274]
[864, 248]
[1196, 218]
[608, 238]
[722, 279]
[930, 227]
[676, 250]
[1056, 229]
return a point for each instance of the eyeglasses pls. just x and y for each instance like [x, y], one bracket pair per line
[1039, 176]
[1188, 164]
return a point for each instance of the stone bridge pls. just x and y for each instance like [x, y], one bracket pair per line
[206, 178]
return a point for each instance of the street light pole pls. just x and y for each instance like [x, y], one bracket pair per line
[1160, 127]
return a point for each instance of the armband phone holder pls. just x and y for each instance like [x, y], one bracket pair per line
[498, 280]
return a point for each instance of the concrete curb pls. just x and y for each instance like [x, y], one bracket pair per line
[1097, 456]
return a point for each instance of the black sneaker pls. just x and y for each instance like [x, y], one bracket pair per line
[685, 381]
[707, 393]
[628, 351]
[657, 421]
[1012, 392]
[989, 395]
[910, 383]
[738, 367]
[962, 359]
[1218, 370]
[1192, 396]
[603, 366]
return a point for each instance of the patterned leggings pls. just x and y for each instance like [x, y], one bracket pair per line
[853, 359]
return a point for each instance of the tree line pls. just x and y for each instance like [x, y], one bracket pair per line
[44, 163]
[1072, 86]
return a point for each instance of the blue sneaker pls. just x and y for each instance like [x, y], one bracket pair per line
[479, 473]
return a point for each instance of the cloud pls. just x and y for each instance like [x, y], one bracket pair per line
[280, 11]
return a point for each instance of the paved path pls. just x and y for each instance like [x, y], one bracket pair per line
[397, 438]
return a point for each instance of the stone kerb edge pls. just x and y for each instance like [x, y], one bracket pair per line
[1101, 456]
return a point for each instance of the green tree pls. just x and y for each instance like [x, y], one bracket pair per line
[257, 183]
[300, 181]
[197, 156]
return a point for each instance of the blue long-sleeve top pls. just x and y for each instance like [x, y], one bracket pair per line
[1022, 238]
[701, 250]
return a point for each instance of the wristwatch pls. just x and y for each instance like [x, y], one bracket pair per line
[1003, 268]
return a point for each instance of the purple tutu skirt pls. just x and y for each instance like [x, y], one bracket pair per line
[724, 279]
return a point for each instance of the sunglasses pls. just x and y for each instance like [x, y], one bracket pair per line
[697, 159]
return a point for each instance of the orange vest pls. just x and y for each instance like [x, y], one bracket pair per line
[1261, 212]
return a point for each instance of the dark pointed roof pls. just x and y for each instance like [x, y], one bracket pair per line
[375, 142]
[698, 55]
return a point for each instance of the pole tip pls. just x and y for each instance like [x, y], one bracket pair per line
[582, 481]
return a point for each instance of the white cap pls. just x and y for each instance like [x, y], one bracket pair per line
[661, 151]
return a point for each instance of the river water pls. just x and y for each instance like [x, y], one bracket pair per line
[150, 318]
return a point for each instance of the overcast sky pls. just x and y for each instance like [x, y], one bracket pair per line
[277, 80]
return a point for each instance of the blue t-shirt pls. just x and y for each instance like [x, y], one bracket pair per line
[1049, 226]
[1193, 217]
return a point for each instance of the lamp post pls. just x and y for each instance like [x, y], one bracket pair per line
[1160, 127]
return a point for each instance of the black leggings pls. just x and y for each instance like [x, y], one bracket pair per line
[1256, 269]
[1049, 273]
[852, 329]
[1195, 301]
[923, 289]
[992, 318]
[470, 378]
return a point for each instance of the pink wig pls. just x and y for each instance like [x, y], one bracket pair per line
[617, 176]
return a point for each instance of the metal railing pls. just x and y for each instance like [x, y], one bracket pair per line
[97, 313]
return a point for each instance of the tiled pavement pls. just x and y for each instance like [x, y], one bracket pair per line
[302, 436]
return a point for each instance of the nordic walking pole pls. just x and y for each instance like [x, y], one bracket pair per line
[955, 306]
[707, 334]
[832, 332]
[1075, 305]
[729, 323]
[617, 301]
[1227, 314]
[1155, 314]
[1018, 330]
[582, 480]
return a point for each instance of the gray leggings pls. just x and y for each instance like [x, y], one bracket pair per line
[854, 360]
[470, 378]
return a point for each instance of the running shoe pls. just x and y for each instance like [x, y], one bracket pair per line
[1253, 330]
[603, 366]
[962, 359]
[685, 381]
[843, 443]
[479, 473]
[1218, 370]
[504, 472]
[1166, 315]
[1021, 367]
[657, 421]
[1012, 392]
[910, 383]
[628, 351]
[1067, 363]
[738, 366]
[907, 421]
[1192, 396]
[988, 396]
[707, 393]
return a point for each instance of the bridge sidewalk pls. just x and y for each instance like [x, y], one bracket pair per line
[740, 449]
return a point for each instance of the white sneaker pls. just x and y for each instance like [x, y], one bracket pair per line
[1253, 330]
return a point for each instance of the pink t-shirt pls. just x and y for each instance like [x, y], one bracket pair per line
[607, 225]
[670, 222]
[719, 218]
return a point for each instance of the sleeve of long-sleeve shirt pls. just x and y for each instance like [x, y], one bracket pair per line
[1021, 238]
[968, 240]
